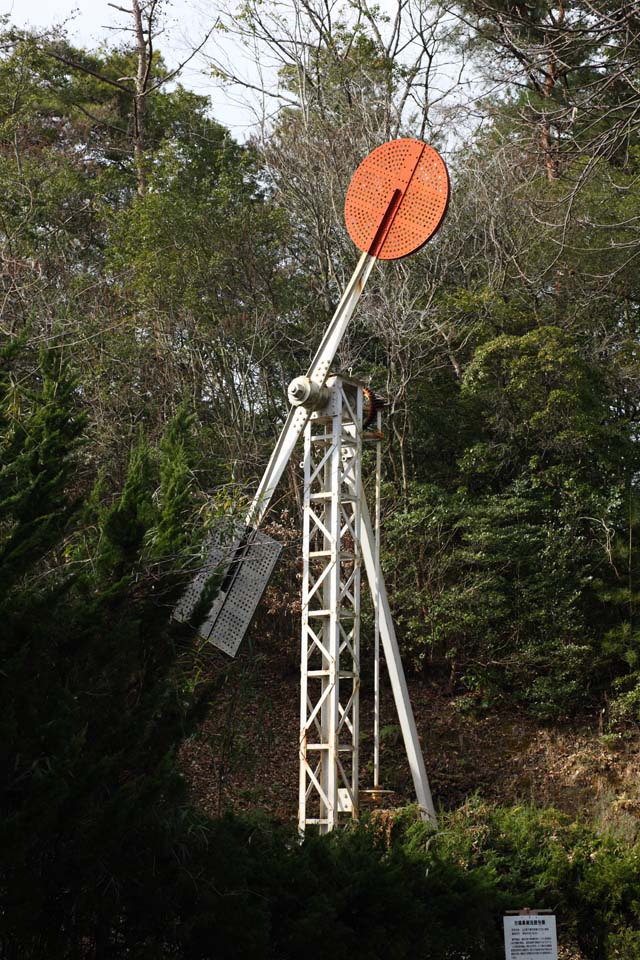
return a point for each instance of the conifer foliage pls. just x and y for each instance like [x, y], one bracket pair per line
[92, 709]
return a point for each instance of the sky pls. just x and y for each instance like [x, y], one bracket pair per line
[90, 22]
[186, 22]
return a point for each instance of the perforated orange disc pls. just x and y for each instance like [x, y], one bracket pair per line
[397, 199]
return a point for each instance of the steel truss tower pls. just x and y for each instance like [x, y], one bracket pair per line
[338, 541]
[330, 661]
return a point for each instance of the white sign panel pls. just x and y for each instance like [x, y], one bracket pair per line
[530, 937]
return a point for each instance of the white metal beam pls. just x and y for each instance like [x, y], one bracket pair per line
[318, 373]
[395, 670]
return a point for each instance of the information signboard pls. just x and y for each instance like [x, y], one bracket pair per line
[530, 936]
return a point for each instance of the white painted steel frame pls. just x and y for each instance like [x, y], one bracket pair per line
[330, 658]
[337, 537]
[395, 671]
[376, 607]
[344, 521]
[318, 373]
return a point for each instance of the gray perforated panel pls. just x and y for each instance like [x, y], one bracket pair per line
[242, 565]
[220, 547]
[233, 618]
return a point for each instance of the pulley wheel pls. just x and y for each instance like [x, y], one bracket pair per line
[397, 199]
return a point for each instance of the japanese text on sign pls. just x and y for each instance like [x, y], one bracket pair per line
[530, 937]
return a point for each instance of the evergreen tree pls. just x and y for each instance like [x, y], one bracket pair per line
[92, 708]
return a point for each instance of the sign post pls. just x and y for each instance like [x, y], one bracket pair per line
[530, 935]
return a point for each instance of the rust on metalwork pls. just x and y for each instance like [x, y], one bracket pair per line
[397, 199]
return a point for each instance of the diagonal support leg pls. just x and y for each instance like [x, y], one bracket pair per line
[396, 672]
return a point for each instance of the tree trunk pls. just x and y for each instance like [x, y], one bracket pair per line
[144, 51]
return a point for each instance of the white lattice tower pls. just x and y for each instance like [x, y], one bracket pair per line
[330, 663]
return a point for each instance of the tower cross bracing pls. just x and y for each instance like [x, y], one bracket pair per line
[330, 657]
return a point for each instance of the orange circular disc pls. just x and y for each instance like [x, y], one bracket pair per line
[397, 199]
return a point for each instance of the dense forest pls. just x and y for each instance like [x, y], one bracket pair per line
[161, 284]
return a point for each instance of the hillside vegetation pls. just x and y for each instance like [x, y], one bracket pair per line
[161, 283]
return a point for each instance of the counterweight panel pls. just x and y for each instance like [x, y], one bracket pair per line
[236, 572]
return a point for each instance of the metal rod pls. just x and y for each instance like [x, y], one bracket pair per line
[304, 639]
[396, 673]
[318, 372]
[319, 368]
[376, 612]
